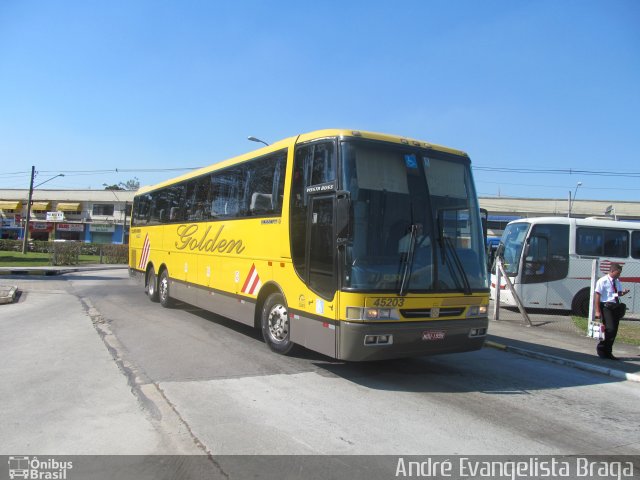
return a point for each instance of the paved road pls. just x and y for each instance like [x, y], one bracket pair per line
[100, 368]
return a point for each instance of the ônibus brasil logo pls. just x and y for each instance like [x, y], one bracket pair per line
[33, 468]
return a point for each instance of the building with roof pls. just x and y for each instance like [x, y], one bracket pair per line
[94, 216]
[502, 210]
[544, 207]
[102, 216]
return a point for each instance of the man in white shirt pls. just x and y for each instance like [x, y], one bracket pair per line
[608, 307]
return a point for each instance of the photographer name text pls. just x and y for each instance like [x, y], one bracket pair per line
[534, 467]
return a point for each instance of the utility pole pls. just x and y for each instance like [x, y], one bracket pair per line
[124, 224]
[26, 220]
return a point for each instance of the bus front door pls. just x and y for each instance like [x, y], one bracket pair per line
[535, 268]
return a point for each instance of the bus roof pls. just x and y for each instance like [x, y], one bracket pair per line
[581, 222]
[317, 134]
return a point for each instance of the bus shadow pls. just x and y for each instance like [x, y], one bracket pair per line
[250, 332]
[237, 327]
[488, 371]
[628, 361]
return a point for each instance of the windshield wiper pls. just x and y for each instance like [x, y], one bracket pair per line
[458, 263]
[408, 261]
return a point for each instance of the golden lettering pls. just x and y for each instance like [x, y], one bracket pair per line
[185, 232]
[221, 246]
[187, 239]
[235, 244]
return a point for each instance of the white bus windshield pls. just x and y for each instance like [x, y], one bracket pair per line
[512, 244]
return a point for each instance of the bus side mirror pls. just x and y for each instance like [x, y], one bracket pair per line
[343, 215]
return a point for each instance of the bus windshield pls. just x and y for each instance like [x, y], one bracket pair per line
[512, 243]
[415, 223]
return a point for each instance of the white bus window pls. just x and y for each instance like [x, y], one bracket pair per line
[602, 242]
[635, 244]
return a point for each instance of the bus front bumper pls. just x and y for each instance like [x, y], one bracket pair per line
[380, 341]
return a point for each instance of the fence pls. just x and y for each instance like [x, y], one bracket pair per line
[569, 296]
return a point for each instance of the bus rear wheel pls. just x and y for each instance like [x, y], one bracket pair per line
[152, 285]
[276, 328]
[164, 292]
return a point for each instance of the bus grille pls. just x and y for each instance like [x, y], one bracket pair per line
[426, 312]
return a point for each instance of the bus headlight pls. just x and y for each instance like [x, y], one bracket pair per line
[477, 311]
[372, 314]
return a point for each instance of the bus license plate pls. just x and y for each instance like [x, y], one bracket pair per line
[430, 335]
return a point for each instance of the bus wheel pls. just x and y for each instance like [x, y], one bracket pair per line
[163, 290]
[275, 324]
[152, 285]
[580, 304]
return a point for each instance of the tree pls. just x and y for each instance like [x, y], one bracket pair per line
[133, 184]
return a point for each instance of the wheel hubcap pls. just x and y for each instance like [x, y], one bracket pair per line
[278, 323]
[164, 288]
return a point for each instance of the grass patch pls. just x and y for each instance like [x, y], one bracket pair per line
[35, 259]
[628, 332]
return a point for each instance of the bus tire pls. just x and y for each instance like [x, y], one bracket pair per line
[164, 292]
[276, 328]
[580, 304]
[152, 285]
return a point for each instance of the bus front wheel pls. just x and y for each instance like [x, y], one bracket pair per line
[276, 328]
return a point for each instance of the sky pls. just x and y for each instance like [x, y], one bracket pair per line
[544, 95]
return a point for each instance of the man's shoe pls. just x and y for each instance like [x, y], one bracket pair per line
[607, 356]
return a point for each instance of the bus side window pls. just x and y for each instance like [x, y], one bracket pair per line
[224, 194]
[635, 244]
[616, 243]
[196, 199]
[261, 175]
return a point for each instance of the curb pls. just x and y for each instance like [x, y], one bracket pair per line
[42, 273]
[45, 271]
[611, 372]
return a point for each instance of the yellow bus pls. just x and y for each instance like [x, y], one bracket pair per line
[357, 245]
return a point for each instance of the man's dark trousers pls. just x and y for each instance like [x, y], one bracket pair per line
[611, 319]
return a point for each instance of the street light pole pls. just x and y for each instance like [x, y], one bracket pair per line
[254, 139]
[26, 221]
[572, 201]
[124, 224]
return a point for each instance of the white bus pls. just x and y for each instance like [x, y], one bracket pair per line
[549, 260]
